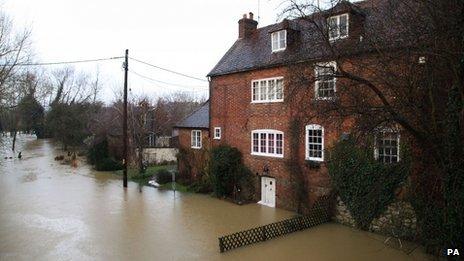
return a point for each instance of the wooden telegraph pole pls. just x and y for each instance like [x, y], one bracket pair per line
[124, 124]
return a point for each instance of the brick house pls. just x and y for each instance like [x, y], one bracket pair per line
[192, 134]
[254, 100]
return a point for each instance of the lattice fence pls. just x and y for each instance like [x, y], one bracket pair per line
[319, 214]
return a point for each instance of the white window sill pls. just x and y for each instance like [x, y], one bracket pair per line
[217, 138]
[197, 148]
[315, 159]
[325, 98]
[278, 50]
[337, 38]
[267, 155]
[268, 101]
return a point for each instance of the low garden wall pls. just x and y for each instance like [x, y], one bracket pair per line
[399, 219]
[160, 155]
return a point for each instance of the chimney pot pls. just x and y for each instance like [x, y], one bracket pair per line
[246, 26]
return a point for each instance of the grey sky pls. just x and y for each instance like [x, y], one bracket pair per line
[183, 35]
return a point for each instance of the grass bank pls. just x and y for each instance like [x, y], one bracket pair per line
[150, 172]
[179, 187]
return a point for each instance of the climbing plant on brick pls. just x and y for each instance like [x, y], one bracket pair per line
[228, 172]
[365, 185]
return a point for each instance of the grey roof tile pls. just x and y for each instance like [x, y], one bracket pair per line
[254, 52]
[197, 119]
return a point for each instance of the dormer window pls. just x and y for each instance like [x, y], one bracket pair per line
[279, 40]
[338, 26]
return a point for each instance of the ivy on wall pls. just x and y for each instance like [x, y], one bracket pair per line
[229, 177]
[366, 185]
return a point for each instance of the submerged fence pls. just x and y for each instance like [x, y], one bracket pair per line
[319, 214]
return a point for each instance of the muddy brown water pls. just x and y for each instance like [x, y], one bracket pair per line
[50, 211]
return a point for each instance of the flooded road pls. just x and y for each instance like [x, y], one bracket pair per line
[50, 211]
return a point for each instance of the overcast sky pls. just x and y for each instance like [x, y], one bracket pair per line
[182, 35]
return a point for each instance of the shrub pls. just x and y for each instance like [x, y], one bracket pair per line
[227, 171]
[108, 164]
[366, 185]
[98, 152]
[163, 176]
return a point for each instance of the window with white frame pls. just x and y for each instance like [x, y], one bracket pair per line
[279, 40]
[267, 143]
[196, 139]
[387, 146]
[151, 140]
[315, 142]
[267, 90]
[326, 82]
[217, 133]
[338, 26]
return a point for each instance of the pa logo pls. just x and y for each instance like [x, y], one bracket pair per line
[452, 252]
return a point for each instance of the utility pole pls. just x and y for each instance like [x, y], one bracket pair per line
[124, 124]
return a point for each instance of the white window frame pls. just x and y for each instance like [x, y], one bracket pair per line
[267, 132]
[259, 94]
[314, 127]
[217, 130]
[195, 143]
[278, 34]
[151, 140]
[319, 80]
[338, 36]
[383, 132]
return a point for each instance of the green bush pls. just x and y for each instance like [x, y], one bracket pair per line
[227, 172]
[366, 185]
[108, 164]
[163, 176]
[98, 152]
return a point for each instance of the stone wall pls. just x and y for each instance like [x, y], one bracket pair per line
[399, 219]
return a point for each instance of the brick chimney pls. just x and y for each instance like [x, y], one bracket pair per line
[246, 26]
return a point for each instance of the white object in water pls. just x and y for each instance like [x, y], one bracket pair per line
[153, 183]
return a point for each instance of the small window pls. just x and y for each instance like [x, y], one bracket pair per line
[151, 140]
[338, 26]
[314, 142]
[217, 133]
[267, 143]
[325, 86]
[279, 40]
[196, 139]
[387, 146]
[267, 90]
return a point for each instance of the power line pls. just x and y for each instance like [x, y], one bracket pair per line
[168, 70]
[156, 85]
[168, 83]
[64, 62]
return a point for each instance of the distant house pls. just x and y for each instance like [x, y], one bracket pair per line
[193, 138]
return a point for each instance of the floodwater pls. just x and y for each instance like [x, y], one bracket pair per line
[50, 211]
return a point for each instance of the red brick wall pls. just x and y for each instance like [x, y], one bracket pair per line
[192, 161]
[232, 110]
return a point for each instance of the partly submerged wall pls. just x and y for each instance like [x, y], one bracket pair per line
[398, 220]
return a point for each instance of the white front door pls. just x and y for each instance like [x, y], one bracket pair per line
[268, 191]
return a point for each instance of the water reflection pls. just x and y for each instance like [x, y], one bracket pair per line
[50, 211]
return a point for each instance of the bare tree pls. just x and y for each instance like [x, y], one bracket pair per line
[14, 50]
[406, 69]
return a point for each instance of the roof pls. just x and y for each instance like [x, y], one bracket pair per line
[254, 52]
[197, 119]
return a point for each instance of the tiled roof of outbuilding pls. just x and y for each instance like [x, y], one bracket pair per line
[197, 119]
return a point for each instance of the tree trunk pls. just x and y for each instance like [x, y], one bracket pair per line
[14, 140]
